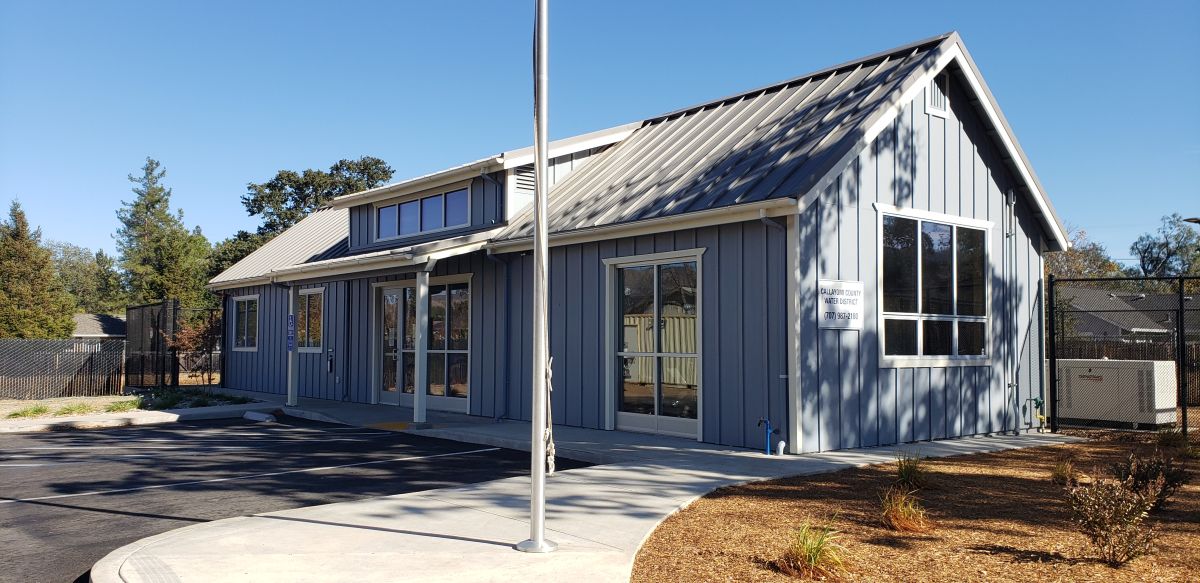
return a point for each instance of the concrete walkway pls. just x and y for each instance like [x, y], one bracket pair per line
[391, 417]
[598, 515]
[131, 418]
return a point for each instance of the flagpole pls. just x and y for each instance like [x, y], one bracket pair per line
[537, 542]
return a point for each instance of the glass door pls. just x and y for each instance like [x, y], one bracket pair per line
[389, 393]
[657, 355]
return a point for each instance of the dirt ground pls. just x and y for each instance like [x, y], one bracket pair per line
[998, 518]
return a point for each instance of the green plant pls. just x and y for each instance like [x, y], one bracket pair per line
[201, 401]
[1064, 472]
[75, 409]
[910, 470]
[1156, 477]
[1171, 439]
[812, 553]
[1193, 452]
[1112, 514]
[902, 510]
[123, 406]
[31, 411]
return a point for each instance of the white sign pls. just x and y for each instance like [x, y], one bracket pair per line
[840, 304]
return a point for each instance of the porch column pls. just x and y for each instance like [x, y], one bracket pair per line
[293, 370]
[421, 354]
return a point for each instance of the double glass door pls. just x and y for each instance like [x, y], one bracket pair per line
[657, 356]
[447, 344]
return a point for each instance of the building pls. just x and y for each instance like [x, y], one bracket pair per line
[855, 254]
[99, 326]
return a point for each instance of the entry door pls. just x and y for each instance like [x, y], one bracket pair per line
[657, 358]
[389, 389]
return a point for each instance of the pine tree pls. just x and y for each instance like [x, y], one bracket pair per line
[33, 303]
[160, 257]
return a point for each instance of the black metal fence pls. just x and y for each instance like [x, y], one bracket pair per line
[43, 369]
[169, 345]
[1125, 353]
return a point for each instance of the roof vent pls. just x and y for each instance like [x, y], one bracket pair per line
[936, 102]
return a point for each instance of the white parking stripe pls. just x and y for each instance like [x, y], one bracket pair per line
[250, 476]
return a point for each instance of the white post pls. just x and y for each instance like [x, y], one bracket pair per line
[421, 352]
[537, 542]
[293, 371]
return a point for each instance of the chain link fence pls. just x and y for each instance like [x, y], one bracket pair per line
[1125, 354]
[44, 369]
[170, 345]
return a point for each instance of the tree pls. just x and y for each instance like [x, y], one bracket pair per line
[33, 303]
[91, 278]
[290, 196]
[160, 257]
[1085, 258]
[1172, 250]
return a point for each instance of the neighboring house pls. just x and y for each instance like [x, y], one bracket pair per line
[1101, 314]
[105, 326]
[694, 271]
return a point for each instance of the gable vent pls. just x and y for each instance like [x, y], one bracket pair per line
[937, 93]
[524, 177]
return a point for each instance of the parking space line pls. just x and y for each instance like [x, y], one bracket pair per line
[250, 476]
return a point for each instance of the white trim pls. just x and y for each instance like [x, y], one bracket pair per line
[918, 361]
[257, 322]
[572, 145]
[777, 207]
[420, 183]
[795, 406]
[419, 198]
[613, 417]
[954, 53]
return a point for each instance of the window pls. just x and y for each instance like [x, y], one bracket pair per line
[245, 323]
[934, 288]
[445, 210]
[657, 353]
[937, 95]
[309, 312]
[448, 338]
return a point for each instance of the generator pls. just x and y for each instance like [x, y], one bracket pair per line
[1127, 394]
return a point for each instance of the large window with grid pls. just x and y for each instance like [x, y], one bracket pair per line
[935, 289]
[309, 315]
[446, 210]
[448, 340]
[245, 323]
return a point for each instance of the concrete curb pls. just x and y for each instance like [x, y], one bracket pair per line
[136, 418]
[311, 415]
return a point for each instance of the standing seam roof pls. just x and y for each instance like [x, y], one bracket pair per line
[769, 143]
[320, 235]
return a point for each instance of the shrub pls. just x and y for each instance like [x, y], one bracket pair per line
[910, 471]
[1111, 514]
[31, 411]
[201, 401]
[1064, 472]
[812, 553]
[123, 406]
[1156, 477]
[75, 409]
[1193, 452]
[1171, 439]
[902, 510]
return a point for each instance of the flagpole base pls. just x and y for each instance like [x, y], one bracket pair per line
[532, 546]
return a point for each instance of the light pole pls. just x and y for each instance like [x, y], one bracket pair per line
[537, 542]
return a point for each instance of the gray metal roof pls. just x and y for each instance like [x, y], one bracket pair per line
[1126, 311]
[321, 235]
[99, 326]
[768, 143]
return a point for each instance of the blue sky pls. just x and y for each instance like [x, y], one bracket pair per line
[1102, 95]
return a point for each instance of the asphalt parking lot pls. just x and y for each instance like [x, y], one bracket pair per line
[67, 499]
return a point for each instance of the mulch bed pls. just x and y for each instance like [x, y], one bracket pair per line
[998, 518]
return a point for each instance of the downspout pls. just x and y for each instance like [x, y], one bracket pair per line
[503, 413]
[766, 326]
[1010, 373]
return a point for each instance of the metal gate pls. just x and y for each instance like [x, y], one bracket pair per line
[169, 345]
[1125, 353]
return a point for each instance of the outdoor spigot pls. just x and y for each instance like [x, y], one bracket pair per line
[767, 444]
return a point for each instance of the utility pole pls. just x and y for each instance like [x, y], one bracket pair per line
[537, 542]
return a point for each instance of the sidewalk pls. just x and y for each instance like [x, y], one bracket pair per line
[598, 515]
[106, 420]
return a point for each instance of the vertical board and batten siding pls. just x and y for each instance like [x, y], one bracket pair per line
[487, 210]
[945, 165]
[743, 335]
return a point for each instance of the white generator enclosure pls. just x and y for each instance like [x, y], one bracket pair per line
[1135, 394]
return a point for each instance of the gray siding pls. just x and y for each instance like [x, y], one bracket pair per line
[487, 211]
[945, 165]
